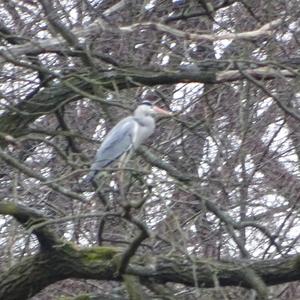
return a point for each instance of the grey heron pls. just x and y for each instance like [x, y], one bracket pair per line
[125, 137]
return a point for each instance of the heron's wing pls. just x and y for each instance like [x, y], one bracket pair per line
[118, 141]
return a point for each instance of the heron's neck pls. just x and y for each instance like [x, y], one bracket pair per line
[145, 120]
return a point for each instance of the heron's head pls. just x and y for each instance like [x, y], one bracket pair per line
[146, 108]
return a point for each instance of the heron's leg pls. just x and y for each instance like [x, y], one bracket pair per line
[123, 162]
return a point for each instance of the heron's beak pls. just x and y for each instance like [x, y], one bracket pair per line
[161, 111]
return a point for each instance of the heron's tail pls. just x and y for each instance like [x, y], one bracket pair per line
[90, 176]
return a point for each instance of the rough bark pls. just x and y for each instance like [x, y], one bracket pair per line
[58, 260]
[65, 261]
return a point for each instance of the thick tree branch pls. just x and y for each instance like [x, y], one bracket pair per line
[63, 261]
[16, 120]
[29, 217]
[49, 267]
[99, 263]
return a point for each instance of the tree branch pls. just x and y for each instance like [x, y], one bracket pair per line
[36, 47]
[29, 217]
[134, 245]
[264, 31]
[28, 171]
[99, 263]
[48, 100]
[285, 108]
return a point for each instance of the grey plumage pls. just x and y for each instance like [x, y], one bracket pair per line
[126, 136]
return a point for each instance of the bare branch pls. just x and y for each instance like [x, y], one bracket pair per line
[264, 31]
[29, 172]
[280, 103]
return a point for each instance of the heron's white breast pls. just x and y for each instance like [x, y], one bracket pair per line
[142, 130]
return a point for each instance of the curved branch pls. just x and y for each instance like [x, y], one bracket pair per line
[29, 217]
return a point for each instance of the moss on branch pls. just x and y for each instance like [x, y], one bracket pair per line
[67, 261]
